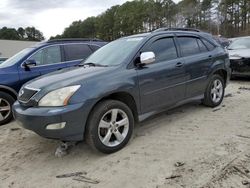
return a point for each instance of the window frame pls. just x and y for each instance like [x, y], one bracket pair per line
[40, 49]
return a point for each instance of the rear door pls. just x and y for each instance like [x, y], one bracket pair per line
[198, 60]
[75, 53]
[162, 83]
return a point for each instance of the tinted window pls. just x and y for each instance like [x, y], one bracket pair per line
[189, 46]
[203, 48]
[164, 49]
[77, 51]
[49, 55]
[208, 45]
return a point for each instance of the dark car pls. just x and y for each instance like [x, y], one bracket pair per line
[125, 81]
[38, 60]
[239, 54]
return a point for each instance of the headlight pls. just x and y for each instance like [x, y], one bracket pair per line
[59, 97]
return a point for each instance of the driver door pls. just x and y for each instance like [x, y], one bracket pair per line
[47, 60]
[162, 83]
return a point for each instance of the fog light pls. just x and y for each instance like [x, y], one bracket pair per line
[56, 126]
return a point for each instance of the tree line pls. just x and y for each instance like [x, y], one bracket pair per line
[229, 18]
[28, 33]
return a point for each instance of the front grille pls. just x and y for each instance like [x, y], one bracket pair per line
[25, 94]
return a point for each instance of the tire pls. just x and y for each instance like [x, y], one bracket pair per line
[211, 91]
[102, 132]
[6, 102]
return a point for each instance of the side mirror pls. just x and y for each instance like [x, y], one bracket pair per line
[147, 58]
[29, 63]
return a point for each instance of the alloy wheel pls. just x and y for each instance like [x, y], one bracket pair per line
[216, 91]
[5, 109]
[113, 127]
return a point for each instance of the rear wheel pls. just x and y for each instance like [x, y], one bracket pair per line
[215, 91]
[6, 102]
[110, 126]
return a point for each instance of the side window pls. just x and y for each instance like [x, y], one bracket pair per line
[203, 48]
[38, 57]
[49, 55]
[164, 49]
[208, 45]
[189, 46]
[52, 55]
[77, 51]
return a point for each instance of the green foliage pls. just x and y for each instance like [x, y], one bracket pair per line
[29, 33]
[226, 17]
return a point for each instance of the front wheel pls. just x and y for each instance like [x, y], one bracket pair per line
[110, 126]
[6, 102]
[215, 91]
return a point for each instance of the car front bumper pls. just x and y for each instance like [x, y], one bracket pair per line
[38, 118]
[240, 66]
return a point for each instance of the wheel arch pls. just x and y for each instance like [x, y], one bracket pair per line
[222, 73]
[124, 97]
[9, 90]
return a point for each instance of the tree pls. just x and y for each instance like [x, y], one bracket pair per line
[227, 17]
[29, 33]
[9, 33]
[33, 34]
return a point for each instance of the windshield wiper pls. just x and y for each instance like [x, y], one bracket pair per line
[91, 65]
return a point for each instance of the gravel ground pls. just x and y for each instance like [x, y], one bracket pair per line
[190, 146]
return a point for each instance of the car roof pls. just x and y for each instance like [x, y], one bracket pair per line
[98, 42]
[171, 30]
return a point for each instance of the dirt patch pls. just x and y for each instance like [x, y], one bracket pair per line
[191, 146]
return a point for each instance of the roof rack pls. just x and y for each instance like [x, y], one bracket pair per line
[176, 29]
[75, 39]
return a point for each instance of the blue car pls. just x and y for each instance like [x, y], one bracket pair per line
[38, 60]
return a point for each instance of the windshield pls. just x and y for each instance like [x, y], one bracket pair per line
[115, 52]
[11, 61]
[243, 43]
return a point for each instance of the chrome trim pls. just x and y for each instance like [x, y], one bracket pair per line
[62, 62]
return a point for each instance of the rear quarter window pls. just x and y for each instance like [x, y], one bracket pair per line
[77, 51]
[209, 45]
[202, 46]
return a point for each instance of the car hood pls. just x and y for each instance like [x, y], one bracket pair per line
[65, 77]
[239, 53]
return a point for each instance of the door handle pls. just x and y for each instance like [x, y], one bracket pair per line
[179, 64]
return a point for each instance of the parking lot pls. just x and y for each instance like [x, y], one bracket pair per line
[191, 146]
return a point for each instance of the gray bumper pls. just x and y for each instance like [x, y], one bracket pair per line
[37, 119]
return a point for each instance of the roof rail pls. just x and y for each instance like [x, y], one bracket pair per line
[176, 29]
[74, 39]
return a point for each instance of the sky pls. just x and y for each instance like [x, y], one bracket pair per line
[51, 17]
